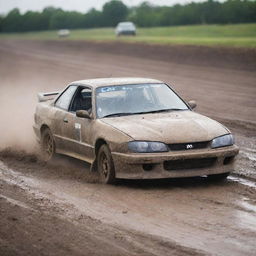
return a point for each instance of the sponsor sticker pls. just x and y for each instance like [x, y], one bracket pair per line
[78, 131]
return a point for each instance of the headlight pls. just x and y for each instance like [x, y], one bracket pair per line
[147, 146]
[223, 141]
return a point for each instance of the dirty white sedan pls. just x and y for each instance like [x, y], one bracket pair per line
[133, 128]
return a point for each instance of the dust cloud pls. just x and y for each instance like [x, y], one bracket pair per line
[17, 106]
[21, 80]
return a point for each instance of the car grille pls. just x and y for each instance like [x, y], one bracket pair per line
[189, 163]
[188, 146]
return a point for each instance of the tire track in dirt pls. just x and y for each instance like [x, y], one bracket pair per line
[83, 233]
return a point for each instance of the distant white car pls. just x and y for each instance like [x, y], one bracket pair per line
[125, 28]
[63, 32]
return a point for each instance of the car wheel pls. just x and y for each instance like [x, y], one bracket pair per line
[106, 165]
[47, 145]
[218, 177]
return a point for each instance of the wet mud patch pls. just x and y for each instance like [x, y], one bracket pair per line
[60, 167]
[245, 165]
[44, 221]
[65, 167]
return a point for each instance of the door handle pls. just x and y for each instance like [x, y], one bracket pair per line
[65, 120]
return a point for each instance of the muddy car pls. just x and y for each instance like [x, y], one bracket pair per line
[132, 128]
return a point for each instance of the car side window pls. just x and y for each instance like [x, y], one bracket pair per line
[64, 100]
[82, 100]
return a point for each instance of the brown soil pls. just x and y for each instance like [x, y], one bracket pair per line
[221, 57]
[59, 208]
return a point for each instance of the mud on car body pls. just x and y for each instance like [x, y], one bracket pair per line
[132, 128]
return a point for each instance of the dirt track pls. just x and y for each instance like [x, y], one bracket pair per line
[58, 208]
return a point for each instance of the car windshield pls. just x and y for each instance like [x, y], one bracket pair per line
[136, 99]
[126, 25]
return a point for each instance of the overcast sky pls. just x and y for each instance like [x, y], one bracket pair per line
[78, 5]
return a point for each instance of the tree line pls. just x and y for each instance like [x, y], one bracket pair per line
[143, 15]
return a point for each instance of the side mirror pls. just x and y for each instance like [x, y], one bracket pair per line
[83, 114]
[192, 104]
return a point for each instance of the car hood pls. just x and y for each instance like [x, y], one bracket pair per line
[171, 127]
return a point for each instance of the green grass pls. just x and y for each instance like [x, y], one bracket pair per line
[239, 35]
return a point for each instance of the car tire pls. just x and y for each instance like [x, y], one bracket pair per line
[218, 177]
[47, 145]
[105, 165]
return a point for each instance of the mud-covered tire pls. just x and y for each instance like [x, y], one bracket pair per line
[47, 145]
[218, 177]
[105, 165]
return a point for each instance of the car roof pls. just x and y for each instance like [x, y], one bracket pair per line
[126, 23]
[99, 82]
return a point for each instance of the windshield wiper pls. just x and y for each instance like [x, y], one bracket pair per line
[119, 114]
[161, 110]
[145, 112]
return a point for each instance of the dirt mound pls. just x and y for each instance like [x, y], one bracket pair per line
[221, 57]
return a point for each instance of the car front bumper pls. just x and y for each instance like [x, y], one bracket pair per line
[126, 32]
[189, 163]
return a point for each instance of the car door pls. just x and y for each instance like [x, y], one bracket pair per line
[78, 130]
[60, 124]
